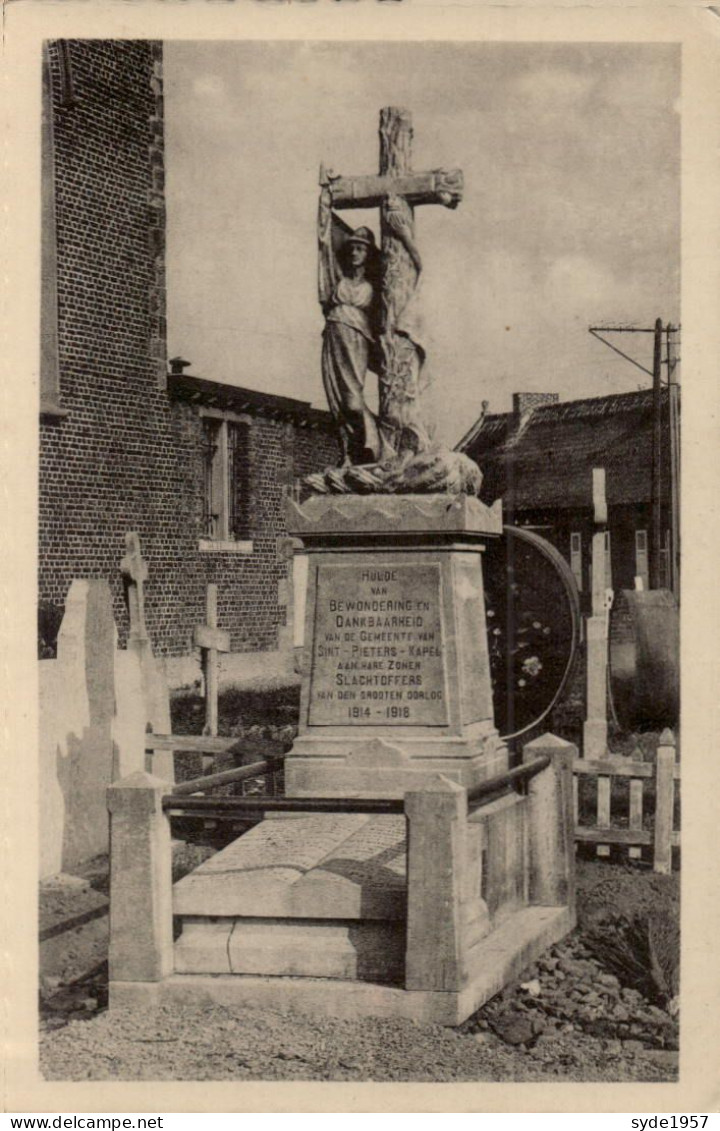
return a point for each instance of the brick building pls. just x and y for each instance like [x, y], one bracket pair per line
[196, 467]
[540, 458]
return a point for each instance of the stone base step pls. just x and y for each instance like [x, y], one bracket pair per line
[494, 961]
[372, 951]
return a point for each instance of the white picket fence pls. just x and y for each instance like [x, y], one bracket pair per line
[628, 828]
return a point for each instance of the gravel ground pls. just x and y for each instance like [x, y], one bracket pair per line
[212, 1043]
[566, 1018]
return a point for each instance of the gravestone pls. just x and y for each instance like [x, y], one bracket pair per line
[153, 684]
[211, 640]
[92, 728]
[77, 710]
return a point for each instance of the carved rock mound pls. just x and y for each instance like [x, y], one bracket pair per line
[437, 471]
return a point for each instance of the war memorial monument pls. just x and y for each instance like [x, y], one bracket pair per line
[409, 869]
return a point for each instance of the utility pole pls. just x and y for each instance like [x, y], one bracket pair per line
[673, 399]
[656, 524]
[656, 495]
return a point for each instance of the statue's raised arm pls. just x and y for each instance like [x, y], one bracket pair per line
[327, 266]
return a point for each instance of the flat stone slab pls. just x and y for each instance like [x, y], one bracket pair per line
[319, 866]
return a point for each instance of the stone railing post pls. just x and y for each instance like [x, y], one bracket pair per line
[141, 931]
[436, 873]
[551, 824]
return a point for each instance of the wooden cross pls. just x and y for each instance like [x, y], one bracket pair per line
[598, 541]
[595, 726]
[396, 190]
[210, 640]
[135, 573]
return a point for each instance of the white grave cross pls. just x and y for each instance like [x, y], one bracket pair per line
[135, 573]
[210, 640]
[595, 728]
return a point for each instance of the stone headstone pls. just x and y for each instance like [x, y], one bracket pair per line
[156, 700]
[77, 710]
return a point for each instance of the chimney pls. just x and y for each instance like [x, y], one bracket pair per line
[524, 402]
[178, 365]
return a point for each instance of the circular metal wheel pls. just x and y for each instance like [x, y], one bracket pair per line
[533, 625]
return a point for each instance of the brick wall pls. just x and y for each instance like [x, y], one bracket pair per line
[314, 451]
[126, 455]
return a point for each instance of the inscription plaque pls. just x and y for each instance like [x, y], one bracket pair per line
[378, 647]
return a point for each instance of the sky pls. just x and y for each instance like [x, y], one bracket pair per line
[570, 216]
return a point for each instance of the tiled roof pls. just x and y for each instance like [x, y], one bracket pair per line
[544, 459]
[233, 398]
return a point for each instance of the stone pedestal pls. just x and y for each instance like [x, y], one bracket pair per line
[396, 676]
[425, 911]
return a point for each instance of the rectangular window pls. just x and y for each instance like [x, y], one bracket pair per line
[576, 558]
[238, 480]
[642, 569]
[213, 475]
[226, 491]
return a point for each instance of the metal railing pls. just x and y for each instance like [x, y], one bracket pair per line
[228, 777]
[235, 807]
[487, 791]
[184, 799]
